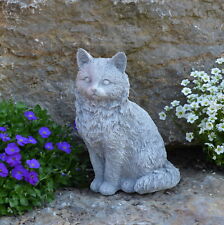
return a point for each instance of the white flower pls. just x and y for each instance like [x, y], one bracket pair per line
[180, 112]
[205, 78]
[162, 115]
[214, 157]
[179, 108]
[167, 108]
[197, 82]
[220, 60]
[209, 125]
[194, 73]
[186, 91]
[187, 107]
[220, 96]
[212, 109]
[175, 103]
[185, 82]
[191, 117]
[222, 84]
[204, 87]
[211, 136]
[212, 118]
[218, 76]
[204, 110]
[210, 145]
[192, 96]
[219, 149]
[202, 123]
[214, 80]
[201, 131]
[220, 126]
[213, 89]
[202, 73]
[205, 102]
[189, 136]
[212, 97]
[194, 105]
[215, 71]
[219, 106]
[200, 98]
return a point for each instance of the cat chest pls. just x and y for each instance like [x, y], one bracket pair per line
[97, 129]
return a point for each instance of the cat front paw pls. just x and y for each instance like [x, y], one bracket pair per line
[107, 189]
[128, 185]
[95, 185]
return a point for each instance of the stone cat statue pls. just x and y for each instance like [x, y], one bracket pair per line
[126, 150]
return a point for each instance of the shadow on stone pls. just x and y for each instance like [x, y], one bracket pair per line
[193, 157]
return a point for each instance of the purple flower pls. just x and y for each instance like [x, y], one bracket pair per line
[21, 140]
[33, 163]
[19, 172]
[64, 146]
[12, 148]
[30, 115]
[3, 156]
[32, 177]
[44, 132]
[49, 146]
[32, 140]
[14, 160]
[2, 129]
[4, 137]
[75, 127]
[3, 170]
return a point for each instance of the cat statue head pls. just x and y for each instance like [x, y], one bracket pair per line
[102, 79]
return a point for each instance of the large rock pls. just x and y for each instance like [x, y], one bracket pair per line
[162, 39]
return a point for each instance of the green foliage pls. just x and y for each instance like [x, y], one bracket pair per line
[58, 168]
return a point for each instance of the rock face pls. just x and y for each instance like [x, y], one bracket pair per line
[162, 39]
[198, 199]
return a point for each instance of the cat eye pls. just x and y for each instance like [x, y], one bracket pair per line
[86, 79]
[106, 82]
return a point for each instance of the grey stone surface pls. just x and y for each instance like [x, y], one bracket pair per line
[125, 147]
[197, 200]
[162, 39]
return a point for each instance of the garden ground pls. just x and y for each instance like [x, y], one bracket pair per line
[196, 200]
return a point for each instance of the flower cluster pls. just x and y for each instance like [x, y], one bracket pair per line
[204, 108]
[11, 160]
[35, 158]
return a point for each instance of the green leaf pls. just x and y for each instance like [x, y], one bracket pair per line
[13, 202]
[23, 201]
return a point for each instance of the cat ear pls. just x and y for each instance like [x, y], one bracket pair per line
[120, 61]
[83, 57]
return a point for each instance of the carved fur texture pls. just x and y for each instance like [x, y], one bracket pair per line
[126, 150]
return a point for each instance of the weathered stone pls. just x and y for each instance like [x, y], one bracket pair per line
[191, 202]
[126, 150]
[162, 39]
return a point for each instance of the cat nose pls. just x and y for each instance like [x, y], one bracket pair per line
[93, 89]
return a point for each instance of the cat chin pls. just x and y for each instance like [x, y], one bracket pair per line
[94, 97]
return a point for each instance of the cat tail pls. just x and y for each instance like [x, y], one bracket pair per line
[163, 178]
